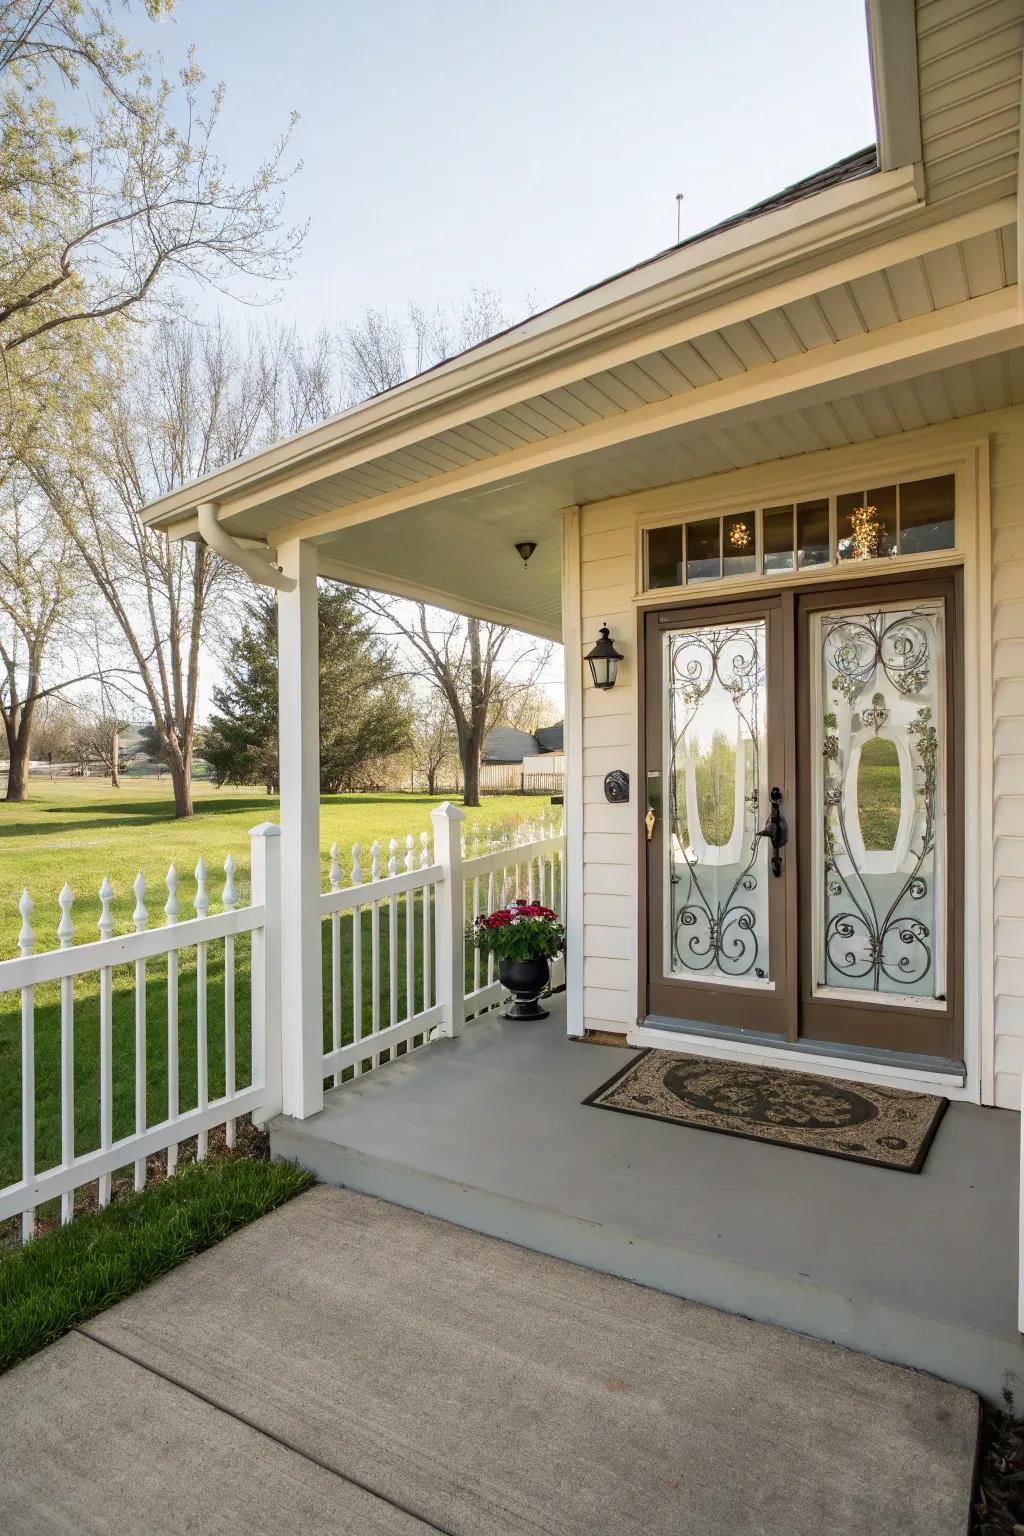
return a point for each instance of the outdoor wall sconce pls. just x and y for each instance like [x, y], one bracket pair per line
[604, 660]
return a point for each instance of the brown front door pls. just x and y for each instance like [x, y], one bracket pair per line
[834, 709]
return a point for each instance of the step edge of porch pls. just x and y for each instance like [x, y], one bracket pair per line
[955, 1352]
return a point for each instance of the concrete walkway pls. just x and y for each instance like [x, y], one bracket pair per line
[346, 1365]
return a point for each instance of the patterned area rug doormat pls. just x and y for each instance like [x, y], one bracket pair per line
[865, 1124]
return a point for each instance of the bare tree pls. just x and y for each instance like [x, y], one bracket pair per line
[195, 401]
[39, 578]
[55, 729]
[433, 742]
[382, 349]
[475, 667]
[530, 708]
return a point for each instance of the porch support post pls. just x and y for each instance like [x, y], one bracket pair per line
[450, 918]
[572, 858]
[302, 1045]
[265, 969]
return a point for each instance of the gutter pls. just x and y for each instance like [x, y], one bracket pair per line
[254, 559]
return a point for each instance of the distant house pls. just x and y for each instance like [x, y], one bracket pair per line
[514, 759]
[505, 744]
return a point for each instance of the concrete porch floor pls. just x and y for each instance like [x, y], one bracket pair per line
[347, 1366]
[488, 1131]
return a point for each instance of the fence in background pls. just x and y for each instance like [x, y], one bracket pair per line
[399, 969]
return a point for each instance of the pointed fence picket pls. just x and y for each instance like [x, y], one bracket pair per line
[409, 921]
[100, 959]
[419, 907]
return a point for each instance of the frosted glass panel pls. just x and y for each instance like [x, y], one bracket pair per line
[716, 907]
[879, 835]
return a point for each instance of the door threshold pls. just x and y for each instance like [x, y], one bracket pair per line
[821, 1057]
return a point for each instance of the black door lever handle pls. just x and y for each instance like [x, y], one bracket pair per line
[775, 829]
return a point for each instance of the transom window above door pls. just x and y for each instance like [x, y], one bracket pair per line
[888, 522]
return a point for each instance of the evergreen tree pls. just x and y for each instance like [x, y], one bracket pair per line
[364, 713]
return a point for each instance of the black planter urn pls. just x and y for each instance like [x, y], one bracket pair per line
[526, 980]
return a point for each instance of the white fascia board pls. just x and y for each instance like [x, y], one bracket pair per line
[693, 274]
[892, 45]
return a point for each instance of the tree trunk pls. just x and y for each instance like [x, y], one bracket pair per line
[115, 763]
[181, 779]
[19, 736]
[17, 775]
[469, 755]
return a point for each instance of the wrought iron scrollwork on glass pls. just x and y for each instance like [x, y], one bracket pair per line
[879, 902]
[716, 682]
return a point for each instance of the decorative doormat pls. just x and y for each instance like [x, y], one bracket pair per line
[884, 1126]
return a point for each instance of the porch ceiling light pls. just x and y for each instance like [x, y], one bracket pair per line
[604, 660]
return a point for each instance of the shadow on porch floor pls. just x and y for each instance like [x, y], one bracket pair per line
[488, 1131]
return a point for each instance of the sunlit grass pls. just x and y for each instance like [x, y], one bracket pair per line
[70, 1274]
[80, 832]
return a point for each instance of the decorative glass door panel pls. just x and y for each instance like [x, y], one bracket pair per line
[878, 737]
[717, 886]
[716, 871]
[802, 826]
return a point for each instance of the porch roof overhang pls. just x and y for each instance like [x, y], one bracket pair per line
[853, 308]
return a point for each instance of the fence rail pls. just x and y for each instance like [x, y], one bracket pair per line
[138, 950]
[399, 969]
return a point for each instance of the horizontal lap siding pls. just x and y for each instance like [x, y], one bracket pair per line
[609, 741]
[1008, 767]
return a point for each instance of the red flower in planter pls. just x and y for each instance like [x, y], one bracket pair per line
[523, 931]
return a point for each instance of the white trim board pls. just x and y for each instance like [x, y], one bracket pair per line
[792, 1060]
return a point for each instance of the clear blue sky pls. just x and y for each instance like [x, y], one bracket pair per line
[529, 146]
[524, 146]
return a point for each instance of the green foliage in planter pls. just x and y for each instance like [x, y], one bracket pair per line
[524, 931]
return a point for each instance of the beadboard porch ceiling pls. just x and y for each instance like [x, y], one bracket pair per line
[925, 329]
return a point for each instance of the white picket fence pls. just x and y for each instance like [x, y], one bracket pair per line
[402, 970]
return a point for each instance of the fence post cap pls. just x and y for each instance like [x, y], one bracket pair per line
[265, 829]
[448, 812]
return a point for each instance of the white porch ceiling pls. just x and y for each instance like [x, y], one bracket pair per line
[463, 546]
[927, 284]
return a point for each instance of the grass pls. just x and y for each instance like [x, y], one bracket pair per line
[878, 794]
[73, 1272]
[80, 831]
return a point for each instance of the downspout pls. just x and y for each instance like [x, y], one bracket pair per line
[254, 559]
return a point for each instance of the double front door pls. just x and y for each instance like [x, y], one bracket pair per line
[802, 831]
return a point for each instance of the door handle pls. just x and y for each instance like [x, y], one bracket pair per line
[649, 822]
[775, 829]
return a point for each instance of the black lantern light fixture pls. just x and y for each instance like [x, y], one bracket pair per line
[604, 660]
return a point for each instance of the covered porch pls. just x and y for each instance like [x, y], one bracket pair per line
[489, 1131]
[864, 328]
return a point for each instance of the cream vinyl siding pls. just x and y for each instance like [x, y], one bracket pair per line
[607, 535]
[610, 897]
[1008, 767]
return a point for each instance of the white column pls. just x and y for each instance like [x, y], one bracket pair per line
[450, 918]
[265, 848]
[572, 859]
[302, 1045]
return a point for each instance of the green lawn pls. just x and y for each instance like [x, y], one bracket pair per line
[70, 1274]
[80, 832]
